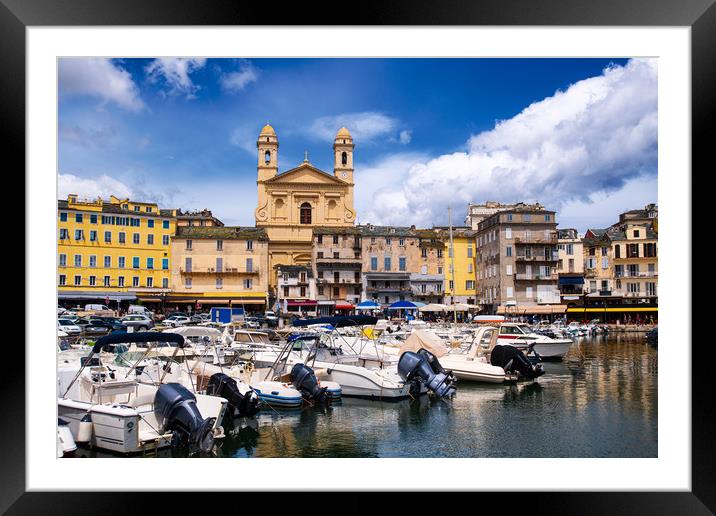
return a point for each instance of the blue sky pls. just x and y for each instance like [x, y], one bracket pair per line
[578, 135]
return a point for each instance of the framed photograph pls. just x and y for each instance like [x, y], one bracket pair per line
[415, 249]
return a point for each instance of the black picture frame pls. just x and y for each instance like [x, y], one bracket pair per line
[700, 15]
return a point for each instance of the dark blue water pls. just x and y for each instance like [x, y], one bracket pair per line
[601, 401]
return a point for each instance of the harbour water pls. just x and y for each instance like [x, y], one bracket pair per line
[601, 401]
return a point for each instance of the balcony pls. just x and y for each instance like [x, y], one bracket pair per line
[535, 277]
[536, 240]
[223, 272]
[627, 274]
[341, 281]
[397, 290]
[345, 262]
[539, 258]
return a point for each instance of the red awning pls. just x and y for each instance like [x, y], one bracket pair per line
[344, 306]
[302, 303]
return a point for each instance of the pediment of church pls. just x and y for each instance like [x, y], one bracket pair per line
[305, 173]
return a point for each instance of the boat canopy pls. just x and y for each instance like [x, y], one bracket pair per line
[103, 343]
[426, 340]
[339, 321]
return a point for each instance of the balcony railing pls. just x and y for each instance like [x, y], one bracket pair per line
[223, 270]
[627, 274]
[536, 258]
[535, 277]
[552, 239]
[340, 281]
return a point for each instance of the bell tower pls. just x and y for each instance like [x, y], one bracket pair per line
[267, 146]
[343, 155]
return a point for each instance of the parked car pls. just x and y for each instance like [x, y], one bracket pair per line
[252, 322]
[104, 325]
[138, 322]
[68, 326]
[176, 320]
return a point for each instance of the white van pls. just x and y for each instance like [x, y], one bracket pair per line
[96, 308]
[139, 309]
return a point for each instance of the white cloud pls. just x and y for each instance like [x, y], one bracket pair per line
[593, 137]
[405, 136]
[234, 82]
[101, 78]
[175, 73]
[101, 186]
[245, 138]
[363, 126]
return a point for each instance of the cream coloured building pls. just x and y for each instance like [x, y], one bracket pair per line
[292, 203]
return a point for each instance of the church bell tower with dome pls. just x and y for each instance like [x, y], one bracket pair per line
[292, 203]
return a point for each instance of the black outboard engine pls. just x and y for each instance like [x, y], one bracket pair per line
[176, 411]
[304, 380]
[224, 386]
[513, 361]
[424, 368]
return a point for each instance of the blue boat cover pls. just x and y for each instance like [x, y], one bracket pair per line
[141, 336]
[339, 321]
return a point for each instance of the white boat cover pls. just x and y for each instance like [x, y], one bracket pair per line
[424, 339]
[195, 331]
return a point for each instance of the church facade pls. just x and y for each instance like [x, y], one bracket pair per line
[292, 203]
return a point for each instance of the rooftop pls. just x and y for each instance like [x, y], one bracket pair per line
[221, 232]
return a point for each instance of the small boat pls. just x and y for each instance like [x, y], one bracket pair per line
[520, 335]
[474, 365]
[111, 409]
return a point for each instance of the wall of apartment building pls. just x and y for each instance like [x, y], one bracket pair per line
[427, 270]
[636, 263]
[570, 252]
[219, 266]
[517, 258]
[387, 281]
[337, 264]
[463, 262]
[112, 246]
[598, 266]
[296, 282]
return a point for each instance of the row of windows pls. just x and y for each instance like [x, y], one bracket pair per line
[248, 283]
[189, 245]
[106, 281]
[112, 220]
[107, 263]
[387, 263]
[121, 237]
[188, 264]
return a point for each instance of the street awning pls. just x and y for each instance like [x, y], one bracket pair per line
[302, 303]
[571, 280]
[344, 306]
[101, 295]
[529, 310]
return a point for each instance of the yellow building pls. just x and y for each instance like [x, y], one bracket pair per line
[463, 263]
[113, 250]
[219, 265]
[292, 203]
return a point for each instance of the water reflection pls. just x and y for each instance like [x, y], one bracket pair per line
[601, 401]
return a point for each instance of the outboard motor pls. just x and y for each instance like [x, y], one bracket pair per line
[512, 360]
[424, 368]
[176, 411]
[304, 380]
[224, 386]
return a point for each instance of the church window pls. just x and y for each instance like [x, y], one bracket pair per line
[344, 158]
[267, 156]
[305, 213]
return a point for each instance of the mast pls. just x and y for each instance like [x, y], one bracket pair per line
[452, 266]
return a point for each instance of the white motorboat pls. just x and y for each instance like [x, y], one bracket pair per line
[520, 335]
[117, 412]
[473, 365]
